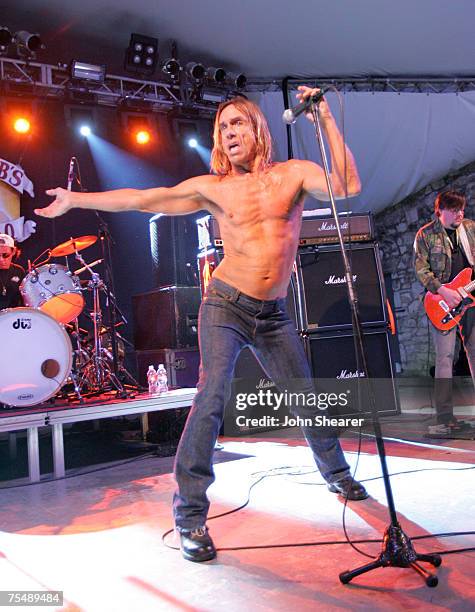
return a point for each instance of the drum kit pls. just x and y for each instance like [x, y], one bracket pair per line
[43, 346]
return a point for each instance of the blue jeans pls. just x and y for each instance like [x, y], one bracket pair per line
[444, 344]
[230, 320]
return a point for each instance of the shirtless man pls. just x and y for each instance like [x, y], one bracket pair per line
[258, 205]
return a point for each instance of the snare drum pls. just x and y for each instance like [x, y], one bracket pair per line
[35, 356]
[55, 290]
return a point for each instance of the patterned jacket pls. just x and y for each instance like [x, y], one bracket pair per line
[433, 253]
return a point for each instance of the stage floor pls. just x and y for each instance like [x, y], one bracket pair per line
[97, 536]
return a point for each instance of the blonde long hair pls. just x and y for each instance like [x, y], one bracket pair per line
[220, 164]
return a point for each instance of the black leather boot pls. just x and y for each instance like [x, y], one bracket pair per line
[197, 545]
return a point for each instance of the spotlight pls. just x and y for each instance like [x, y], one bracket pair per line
[214, 96]
[85, 130]
[218, 75]
[142, 137]
[171, 67]
[192, 143]
[21, 125]
[140, 127]
[28, 42]
[238, 80]
[88, 72]
[6, 38]
[195, 71]
[141, 55]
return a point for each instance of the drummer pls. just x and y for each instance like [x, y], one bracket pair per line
[11, 274]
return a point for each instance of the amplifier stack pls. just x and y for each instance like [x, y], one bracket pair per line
[318, 302]
[322, 310]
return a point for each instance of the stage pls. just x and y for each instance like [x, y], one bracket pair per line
[97, 536]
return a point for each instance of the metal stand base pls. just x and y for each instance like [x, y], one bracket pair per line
[397, 551]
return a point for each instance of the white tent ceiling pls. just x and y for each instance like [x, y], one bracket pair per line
[401, 142]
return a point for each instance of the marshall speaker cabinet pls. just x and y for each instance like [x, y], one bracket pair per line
[324, 297]
[332, 356]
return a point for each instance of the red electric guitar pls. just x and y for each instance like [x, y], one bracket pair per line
[437, 309]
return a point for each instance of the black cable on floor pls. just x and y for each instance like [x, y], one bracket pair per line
[339, 542]
[334, 542]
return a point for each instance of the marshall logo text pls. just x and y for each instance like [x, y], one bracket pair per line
[350, 374]
[338, 280]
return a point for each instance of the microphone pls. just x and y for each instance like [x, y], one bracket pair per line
[290, 115]
[71, 173]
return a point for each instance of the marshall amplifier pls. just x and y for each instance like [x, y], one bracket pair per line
[314, 230]
[323, 293]
[332, 356]
[323, 230]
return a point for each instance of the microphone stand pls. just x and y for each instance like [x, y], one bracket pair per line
[397, 549]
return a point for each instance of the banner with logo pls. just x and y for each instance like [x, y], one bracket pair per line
[13, 182]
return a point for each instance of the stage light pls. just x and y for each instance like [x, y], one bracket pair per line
[171, 67]
[141, 55]
[28, 42]
[142, 137]
[214, 96]
[21, 125]
[218, 75]
[238, 80]
[6, 38]
[195, 71]
[85, 130]
[88, 72]
[192, 143]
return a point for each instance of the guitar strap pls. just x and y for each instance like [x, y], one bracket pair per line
[462, 236]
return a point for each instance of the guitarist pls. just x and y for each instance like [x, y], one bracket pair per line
[443, 248]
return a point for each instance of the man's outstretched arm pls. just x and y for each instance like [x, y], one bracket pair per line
[314, 182]
[186, 197]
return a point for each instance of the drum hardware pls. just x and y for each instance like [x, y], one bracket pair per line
[91, 265]
[99, 370]
[80, 358]
[106, 242]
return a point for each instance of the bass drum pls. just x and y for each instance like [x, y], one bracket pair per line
[35, 356]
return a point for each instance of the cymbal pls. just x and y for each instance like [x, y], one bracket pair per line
[71, 246]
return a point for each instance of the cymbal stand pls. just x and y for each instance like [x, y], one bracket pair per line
[100, 369]
[113, 309]
[77, 363]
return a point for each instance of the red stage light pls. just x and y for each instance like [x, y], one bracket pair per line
[21, 125]
[142, 137]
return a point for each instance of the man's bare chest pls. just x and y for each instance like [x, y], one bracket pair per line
[241, 201]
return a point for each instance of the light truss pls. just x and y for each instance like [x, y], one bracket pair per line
[49, 81]
[414, 84]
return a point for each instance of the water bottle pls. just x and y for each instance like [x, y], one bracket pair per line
[162, 380]
[152, 379]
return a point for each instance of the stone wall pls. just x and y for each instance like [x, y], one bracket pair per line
[396, 228]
